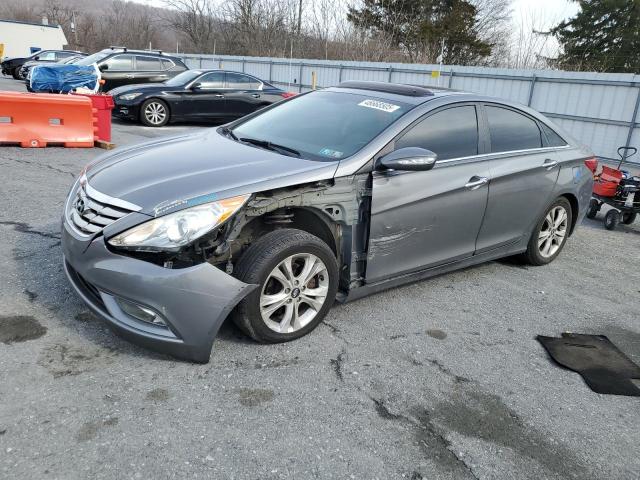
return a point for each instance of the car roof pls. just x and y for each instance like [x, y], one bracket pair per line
[158, 53]
[407, 93]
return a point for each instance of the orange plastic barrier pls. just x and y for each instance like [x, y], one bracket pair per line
[103, 104]
[39, 119]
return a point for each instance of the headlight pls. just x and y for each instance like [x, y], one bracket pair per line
[130, 96]
[175, 230]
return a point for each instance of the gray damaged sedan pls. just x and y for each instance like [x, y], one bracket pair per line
[334, 194]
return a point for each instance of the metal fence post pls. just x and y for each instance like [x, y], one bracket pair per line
[300, 78]
[531, 88]
[270, 69]
[200, 58]
[633, 120]
[390, 73]
[451, 74]
[244, 60]
[340, 74]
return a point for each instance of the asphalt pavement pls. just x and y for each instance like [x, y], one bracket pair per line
[441, 379]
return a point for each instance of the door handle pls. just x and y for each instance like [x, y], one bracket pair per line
[255, 95]
[476, 182]
[128, 75]
[217, 95]
[549, 164]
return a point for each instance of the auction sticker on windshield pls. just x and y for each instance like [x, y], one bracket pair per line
[378, 105]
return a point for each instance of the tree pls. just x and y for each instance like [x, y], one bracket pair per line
[417, 27]
[604, 36]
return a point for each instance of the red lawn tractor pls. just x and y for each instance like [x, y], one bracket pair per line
[617, 188]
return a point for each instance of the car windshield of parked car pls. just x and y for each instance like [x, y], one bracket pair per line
[323, 125]
[96, 57]
[182, 78]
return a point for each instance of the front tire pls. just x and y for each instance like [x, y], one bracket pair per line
[550, 234]
[154, 113]
[15, 73]
[297, 274]
[594, 208]
[611, 219]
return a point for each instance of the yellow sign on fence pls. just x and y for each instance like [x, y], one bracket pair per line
[435, 73]
[1, 50]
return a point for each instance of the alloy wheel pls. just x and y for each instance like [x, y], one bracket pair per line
[155, 113]
[553, 231]
[294, 293]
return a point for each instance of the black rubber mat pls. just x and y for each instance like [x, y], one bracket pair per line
[605, 368]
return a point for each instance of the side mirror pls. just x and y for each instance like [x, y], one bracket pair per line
[408, 158]
[104, 67]
[196, 86]
[37, 57]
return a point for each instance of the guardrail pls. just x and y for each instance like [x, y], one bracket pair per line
[599, 109]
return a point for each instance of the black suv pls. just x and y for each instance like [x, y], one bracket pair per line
[121, 66]
[11, 66]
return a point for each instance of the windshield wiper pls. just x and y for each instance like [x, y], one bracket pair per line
[271, 146]
[229, 133]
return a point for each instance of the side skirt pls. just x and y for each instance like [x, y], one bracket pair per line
[369, 289]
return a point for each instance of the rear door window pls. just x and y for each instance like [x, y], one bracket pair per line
[147, 64]
[451, 133]
[120, 62]
[237, 81]
[511, 130]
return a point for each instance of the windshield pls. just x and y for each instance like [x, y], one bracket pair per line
[182, 78]
[96, 57]
[323, 125]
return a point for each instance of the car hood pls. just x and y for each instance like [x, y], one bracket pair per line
[204, 165]
[13, 61]
[144, 88]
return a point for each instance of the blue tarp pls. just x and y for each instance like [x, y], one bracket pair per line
[63, 78]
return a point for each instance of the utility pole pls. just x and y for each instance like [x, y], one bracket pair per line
[74, 27]
[299, 18]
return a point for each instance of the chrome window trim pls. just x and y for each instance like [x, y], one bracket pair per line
[504, 154]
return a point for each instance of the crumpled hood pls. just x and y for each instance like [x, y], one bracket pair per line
[175, 169]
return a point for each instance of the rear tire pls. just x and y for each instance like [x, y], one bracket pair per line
[628, 218]
[287, 265]
[611, 219]
[154, 113]
[15, 73]
[594, 208]
[550, 234]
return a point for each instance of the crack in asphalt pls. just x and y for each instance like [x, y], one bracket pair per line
[337, 364]
[42, 165]
[423, 424]
[26, 228]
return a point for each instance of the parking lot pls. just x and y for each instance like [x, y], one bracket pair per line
[438, 379]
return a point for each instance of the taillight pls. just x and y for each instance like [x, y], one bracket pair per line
[288, 94]
[592, 164]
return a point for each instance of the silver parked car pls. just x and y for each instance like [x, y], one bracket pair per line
[334, 194]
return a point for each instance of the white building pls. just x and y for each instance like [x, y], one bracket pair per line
[19, 37]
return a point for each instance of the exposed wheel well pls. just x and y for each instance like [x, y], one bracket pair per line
[575, 207]
[310, 220]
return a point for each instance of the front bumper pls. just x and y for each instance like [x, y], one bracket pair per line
[126, 110]
[193, 302]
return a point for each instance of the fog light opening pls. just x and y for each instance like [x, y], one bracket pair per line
[144, 314]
